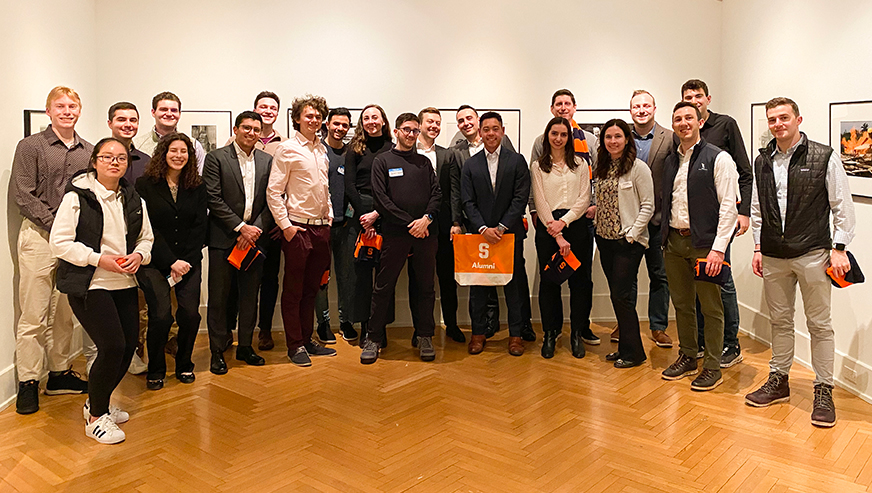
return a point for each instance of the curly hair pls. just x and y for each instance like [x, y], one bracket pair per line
[157, 168]
[318, 103]
[358, 142]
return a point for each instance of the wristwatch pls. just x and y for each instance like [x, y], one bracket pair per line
[839, 246]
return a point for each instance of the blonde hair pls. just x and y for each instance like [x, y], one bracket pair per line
[61, 91]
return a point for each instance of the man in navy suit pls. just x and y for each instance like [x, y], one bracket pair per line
[495, 187]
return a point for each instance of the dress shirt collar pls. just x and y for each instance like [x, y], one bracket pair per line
[495, 153]
[53, 138]
[789, 151]
[648, 136]
[239, 152]
[303, 140]
[689, 151]
[420, 146]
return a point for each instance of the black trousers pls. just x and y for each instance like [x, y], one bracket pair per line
[515, 290]
[578, 235]
[447, 284]
[620, 260]
[363, 281]
[156, 290]
[221, 278]
[421, 253]
[111, 319]
[269, 283]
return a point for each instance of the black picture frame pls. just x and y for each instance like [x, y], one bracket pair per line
[858, 166]
[34, 120]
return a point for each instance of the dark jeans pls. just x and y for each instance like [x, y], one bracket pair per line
[731, 313]
[342, 275]
[156, 290]
[580, 285]
[221, 280]
[307, 256]
[363, 281]
[658, 286]
[111, 319]
[620, 261]
[421, 253]
[514, 291]
[447, 284]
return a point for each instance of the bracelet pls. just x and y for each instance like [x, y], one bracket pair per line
[756, 251]
[560, 233]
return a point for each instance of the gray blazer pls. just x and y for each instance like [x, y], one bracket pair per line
[664, 142]
[462, 149]
[226, 195]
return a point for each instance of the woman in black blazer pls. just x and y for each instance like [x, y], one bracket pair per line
[176, 197]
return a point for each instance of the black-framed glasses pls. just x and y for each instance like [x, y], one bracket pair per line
[103, 158]
[410, 131]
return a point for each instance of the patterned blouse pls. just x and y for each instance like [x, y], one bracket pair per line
[608, 217]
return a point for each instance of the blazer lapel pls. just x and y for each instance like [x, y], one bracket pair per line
[502, 163]
[659, 140]
[235, 170]
[261, 170]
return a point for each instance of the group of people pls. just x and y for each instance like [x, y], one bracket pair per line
[133, 213]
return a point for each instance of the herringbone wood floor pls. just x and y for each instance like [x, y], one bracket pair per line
[487, 423]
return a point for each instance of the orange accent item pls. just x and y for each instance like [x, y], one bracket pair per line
[526, 224]
[838, 280]
[479, 263]
[696, 266]
[367, 249]
[325, 278]
[242, 258]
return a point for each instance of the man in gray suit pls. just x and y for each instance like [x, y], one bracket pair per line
[468, 125]
[653, 144]
[236, 178]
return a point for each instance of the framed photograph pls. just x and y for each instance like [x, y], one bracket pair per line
[592, 120]
[760, 134]
[850, 136]
[35, 121]
[212, 128]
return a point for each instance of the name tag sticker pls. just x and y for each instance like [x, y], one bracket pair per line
[626, 184]
[341, 170]
[395, 172]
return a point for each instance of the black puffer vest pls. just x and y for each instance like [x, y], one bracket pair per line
[807, 221]
[75, 280]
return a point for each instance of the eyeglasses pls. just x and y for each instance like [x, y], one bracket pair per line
[249, 128]
[112, 159]
[410, 131]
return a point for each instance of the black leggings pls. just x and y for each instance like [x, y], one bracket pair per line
[111, 318]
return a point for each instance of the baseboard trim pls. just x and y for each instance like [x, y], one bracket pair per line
[8, 386]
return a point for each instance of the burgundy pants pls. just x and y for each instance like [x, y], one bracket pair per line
[307, 256]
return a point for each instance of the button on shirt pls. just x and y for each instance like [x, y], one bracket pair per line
[246, 167]
[298, 182]
[493, 162]
[429, 152]
[643, 144]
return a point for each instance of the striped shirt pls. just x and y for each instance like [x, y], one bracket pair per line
[41, 169]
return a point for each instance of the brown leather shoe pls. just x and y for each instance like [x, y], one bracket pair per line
[476, 344]
[616, 335]
[265, 341]
[516, 346]
[660, 338]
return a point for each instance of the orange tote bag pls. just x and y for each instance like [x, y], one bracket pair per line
[478, 263]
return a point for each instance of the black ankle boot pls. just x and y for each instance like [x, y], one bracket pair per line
[576, 343]
[549, 340]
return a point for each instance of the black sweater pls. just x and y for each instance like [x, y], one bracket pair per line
[404, 188]
[358, 168]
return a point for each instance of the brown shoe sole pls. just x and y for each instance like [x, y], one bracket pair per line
[766, 404]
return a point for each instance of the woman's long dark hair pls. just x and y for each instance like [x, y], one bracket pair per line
[358, 142]
[604, 158]
[568, 149]
[157, 168]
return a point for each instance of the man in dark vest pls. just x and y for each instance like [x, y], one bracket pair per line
[699, 216]
[793, 245]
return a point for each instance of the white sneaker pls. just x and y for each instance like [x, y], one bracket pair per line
[117, 415]
[104, 430]
[137, 366]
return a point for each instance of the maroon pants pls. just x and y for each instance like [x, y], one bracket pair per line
[307, 256]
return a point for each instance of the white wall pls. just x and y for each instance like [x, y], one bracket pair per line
[41, 47]
[810, 51]
[403, 55]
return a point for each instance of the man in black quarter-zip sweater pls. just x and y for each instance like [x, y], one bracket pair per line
[406, 195]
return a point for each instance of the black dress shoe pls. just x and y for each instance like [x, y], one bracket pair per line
[154, 384]
[186, 377]
[218, 366]
[576, 343]
[527, 332]
[454, 333]
[625, 363]
[613, 356]
[247, 354]
[549, 341]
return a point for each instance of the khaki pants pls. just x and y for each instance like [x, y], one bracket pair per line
[780, 277]
[45, 327]
[680, 258]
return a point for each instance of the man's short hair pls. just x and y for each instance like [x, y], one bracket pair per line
[429, 109]
[781, 101]
[492, 114]
[61, 91]
[694, 85]
[407, 117]
[247, 115]
[467, 107]
[562, 92]
[123, 105]
[340, 111]
[687, 104]
[299, 104]
[267, 94]
[165, 96]
[643, 91]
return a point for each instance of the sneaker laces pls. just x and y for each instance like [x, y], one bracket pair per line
[371, 345]
[823, 397]
[106, 423]
[425, 343]
[71, 372]
[682, 359]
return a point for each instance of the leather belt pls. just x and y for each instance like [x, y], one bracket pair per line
[682, 232]
[312, 222]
